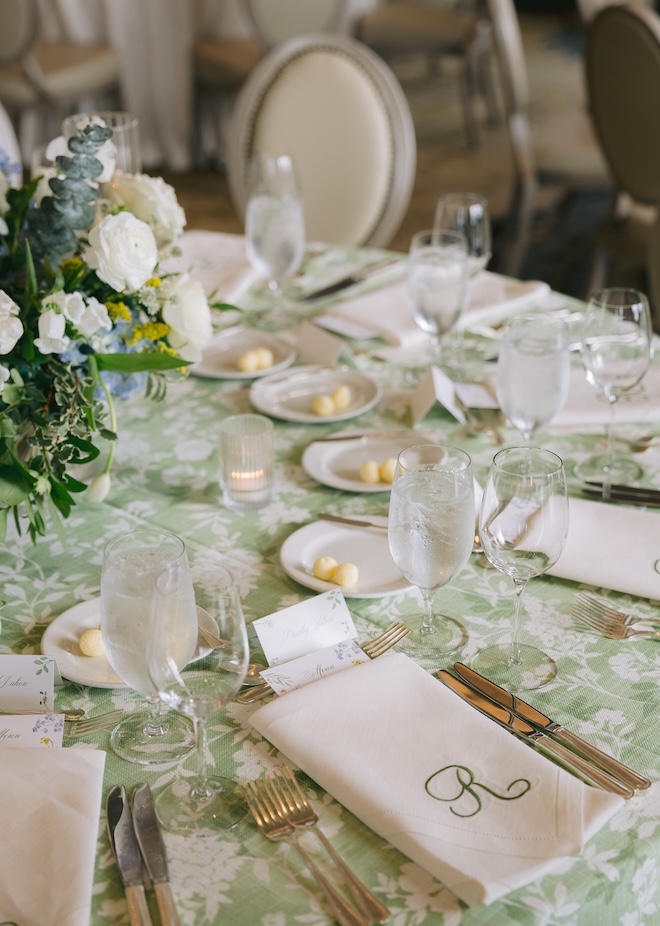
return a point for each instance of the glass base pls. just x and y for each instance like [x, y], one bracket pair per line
[520, 668]
[446, 638]
[182, 811]
[130, 741]
[616, 469]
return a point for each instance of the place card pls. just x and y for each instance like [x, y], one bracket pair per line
[316, 346]
[436, 386]
[32, 730]
[27, 683]
[305, 627]
[306, 669]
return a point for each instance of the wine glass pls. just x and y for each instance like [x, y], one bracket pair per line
[616, 353]
[125, 136]
[533, 371]
[431, 532]
[467, 213]
[437, 283]
[132, 564]
[274, 231]
[202, 803]
[522, 524]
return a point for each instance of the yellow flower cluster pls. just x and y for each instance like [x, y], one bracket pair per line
[118, 310]
[150, 331]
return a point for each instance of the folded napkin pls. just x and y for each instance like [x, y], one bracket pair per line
[586, 406]
[50, 802]
[479, 810]
[219, 261]
[612, 546]
[386, 311]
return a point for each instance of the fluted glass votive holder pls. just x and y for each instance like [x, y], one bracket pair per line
[245, 455]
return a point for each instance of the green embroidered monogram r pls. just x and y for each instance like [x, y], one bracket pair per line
[450, 783]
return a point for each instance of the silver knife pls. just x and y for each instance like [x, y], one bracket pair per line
[371, 435]
[356, 277]
[152, 847]
[127, 855]
[622, 498]
[607, 763]
[525, 731]
[354, 522]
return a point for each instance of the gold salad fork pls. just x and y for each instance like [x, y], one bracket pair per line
[89, 725]
[299, 812]
[373, 648]
[265, 808]
[606, 620]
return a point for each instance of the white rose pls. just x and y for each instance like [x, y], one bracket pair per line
[123, 251]
[52, 339]
[189, 317]
[11, 327]
[153, 201]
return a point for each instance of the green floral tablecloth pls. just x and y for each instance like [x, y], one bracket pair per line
[165, 476]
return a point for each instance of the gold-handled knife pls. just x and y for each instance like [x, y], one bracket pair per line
[540, 721]
[127, 855]
[525, 731]
[152, 847]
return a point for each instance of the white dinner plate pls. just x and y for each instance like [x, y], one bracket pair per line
[221, 356]
[289, 395]
[367, 549]
[337, 463]
[61, 640]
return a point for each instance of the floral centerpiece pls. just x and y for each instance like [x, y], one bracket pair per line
[85, 316]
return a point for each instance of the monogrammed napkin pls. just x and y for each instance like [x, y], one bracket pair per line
[481, 811]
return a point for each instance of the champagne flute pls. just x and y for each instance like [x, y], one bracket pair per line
[533, 371]
[274, 231]
[431, 532]
[522, 524]
[616, 353]
[437, 283]
[204, 803]
[132, 564]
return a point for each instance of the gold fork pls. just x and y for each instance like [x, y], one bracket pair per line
[373, 648]
[298, 811]
[91, 725]
[609, 622]
[273, 825]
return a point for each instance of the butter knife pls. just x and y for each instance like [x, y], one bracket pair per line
[372, 435]
[356, 277]
[127, 855]
[525, 731]
[353, 522]
[511, 702]
[152, 847]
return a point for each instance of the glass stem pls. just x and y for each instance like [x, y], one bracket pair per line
[201, 790]
[155, 726]
[609, 444]
[428, 594]
[515, 659]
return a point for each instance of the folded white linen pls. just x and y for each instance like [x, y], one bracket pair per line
[612, 546]
[217, 260]
[479, 810]
[50, 804]
[587, 406]
[386, 311]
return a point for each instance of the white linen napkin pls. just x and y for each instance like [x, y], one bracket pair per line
[50, 803]
[393, 745]
[612, 546]
[386, 311]
[586, 406]
[217, 260]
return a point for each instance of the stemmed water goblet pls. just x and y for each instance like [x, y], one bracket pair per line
[533, 371]
[616, 354]
[274, 232]
[132, 563]
[203, 803]
[437, 283]
[431, 532]
[468, 214]
[522, 524]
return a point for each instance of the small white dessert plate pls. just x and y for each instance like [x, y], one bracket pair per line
[220, 359]
[337, 463]
[61, 640]
[289, 395]
[367, 548]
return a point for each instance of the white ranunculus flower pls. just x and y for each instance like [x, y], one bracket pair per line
[123, 251]
[153, 201]
[52, 339]
[189, 317]
[11, 327]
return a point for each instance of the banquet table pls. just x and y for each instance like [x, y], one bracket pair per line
[165, 476]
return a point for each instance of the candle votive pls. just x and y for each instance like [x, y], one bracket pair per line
[245, 455]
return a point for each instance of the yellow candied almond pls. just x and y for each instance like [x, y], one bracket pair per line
[323, 406]
[369, 471]
[346, 575]
[341, 396]
[248, 362]
[324, 568]
[388, 470]
[264, 358]
[91, 642]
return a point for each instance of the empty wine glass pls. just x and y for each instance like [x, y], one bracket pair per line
[125, 141]
[616, 353]
[431, 532]
[204, 803]
[533, 371]
[437, 283]
[467, 213]
[274, 231]
[132, 564]
[522, 524]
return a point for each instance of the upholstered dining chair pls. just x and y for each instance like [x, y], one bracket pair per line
[623, 83]
[561, 151]
[336, 107]
[47, 78]
[436, 30]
